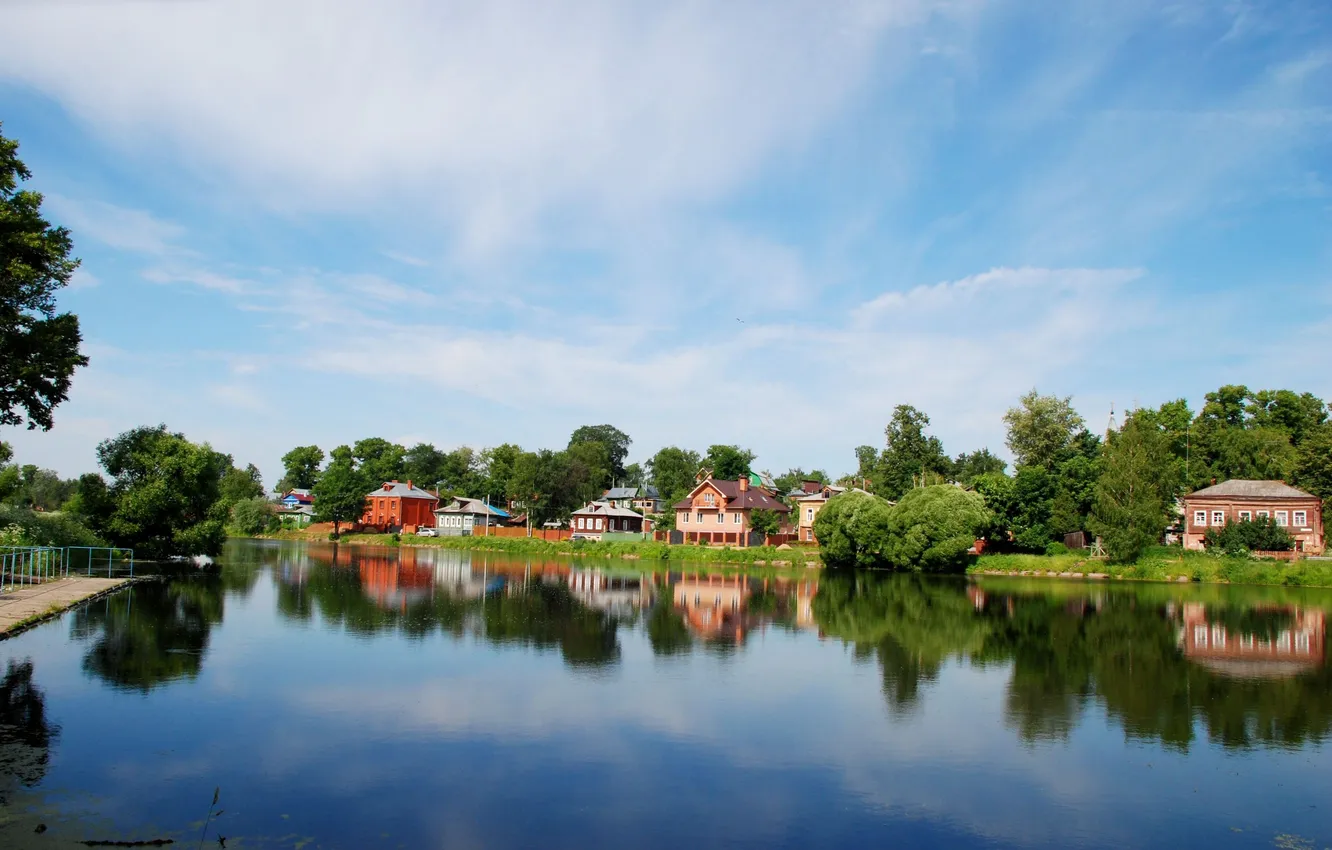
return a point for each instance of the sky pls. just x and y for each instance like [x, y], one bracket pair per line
[760, 223]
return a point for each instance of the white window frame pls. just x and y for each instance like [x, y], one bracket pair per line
[582, 523]
[1218, 517]
[1200, 518]
[684, 515]
[809, 514]
[1299, 519]
[1264, 514]
[1246, 516]
[709, 499]
[736, 521]
[1283, 519]
[700, 516]
[1200, 636]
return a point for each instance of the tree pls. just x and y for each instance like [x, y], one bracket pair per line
[765, 522]
[672, 472]
[1313, 471]
[240, 484]
[728, 463]
[932, 528]
[793, 478]
[1042, 429]
[852, 529]
[424, 464]
[972, 465]
[340, 492]
[496, 470]
[552, 484]
[301, 468]
[634, 476]
[1249, 535]
[616, 442]
[911, 457]
[378, 460]
[252, 516]
[1131, 505]
[39, 348]
[593, 457]
[165, 494]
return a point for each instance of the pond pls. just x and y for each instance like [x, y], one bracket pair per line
[360, 697]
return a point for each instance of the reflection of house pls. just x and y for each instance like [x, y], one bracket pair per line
[615, 594]
[720, 511]
[642, 499]
[713, 604]
[1233, 501]
[394, 582]
[459, 517]
[807, 507]
[399, 506]
[597, 518]
[1295, 644]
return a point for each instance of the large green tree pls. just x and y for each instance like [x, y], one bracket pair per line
[165, 495]
[378, 460]
[852, 529]
[340, 492]
[1042, 429]
[969, 466]
[616, 442]
[1134, 492]
[241, 484]
[39, 348]
[911, 458]
[1313, 471]
[728, 463]
[301, 468]
[672, 471]
[932, 528]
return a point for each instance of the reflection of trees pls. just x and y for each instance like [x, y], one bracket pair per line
[666, 630]
[25, 733]
[152, 633]
[547, 615]
[1117, 646]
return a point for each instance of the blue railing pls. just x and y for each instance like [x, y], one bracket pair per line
[21, 566]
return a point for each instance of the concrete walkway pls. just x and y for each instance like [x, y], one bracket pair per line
[50, 598]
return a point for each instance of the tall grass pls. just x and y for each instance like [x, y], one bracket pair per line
[1168, 564]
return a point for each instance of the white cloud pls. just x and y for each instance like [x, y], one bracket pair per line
[117, 227]
[199, 277]
[496, 112]
[82, 279]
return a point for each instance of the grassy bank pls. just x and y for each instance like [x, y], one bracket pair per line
[1163, 564]
[629, 550]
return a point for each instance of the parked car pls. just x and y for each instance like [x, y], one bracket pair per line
[426, 531]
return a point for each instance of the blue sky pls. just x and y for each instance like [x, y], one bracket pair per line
[754, 222]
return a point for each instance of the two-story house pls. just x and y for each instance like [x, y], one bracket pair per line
[1300, 513]
[645, 499]
[597, 518]
[719, 511]
[397, 506]
[807, 507]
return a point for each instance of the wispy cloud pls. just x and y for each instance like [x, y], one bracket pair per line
[115, 226]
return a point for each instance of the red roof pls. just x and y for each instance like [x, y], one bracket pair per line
[753, 498]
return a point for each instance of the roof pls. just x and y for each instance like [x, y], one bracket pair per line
[607, 509]
[822, 495]
[1252, 490]
[464, 505]
[763, 479]
[404, 491]
[736, 499]
[304, 510]
[305, 497]
[647, 492]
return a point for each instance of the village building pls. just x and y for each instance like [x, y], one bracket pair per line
[646, 499]
[1294, 645]
[720, 511]
[459, 517]
[297, 498]
[299, 516]
[399, 507]
[597, 518]
[807, 507]
[1298, 512]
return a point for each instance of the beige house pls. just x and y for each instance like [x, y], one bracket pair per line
[719, 512]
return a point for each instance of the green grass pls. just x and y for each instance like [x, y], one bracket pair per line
[630, 550]
[1167, 564]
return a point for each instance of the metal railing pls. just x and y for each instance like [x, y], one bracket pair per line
[21, 566]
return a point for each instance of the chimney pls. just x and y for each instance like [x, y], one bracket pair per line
[388, 485]
[409, 483]
[744, 483]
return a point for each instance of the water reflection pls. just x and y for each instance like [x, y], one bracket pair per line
[25, 733]
[1160, 666]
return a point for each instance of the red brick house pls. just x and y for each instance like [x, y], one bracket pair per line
[719, 511]
[397, 506]
[1300, 513]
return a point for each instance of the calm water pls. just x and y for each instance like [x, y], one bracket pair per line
[377, 698]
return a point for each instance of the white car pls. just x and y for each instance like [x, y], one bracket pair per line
[425, 531]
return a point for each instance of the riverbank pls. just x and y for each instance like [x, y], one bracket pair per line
[1161, 564]
[758, 556]
[25, 607]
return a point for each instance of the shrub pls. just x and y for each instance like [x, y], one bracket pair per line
[932, 528]
[252, 516]
[853, 530]
[1238, 538]
[44, 529]
[1056, 548]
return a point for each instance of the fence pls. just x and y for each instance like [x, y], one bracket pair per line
[25, 565]
[98, 560]
[507, 531]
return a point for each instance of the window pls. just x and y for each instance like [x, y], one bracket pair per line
[684, 516]
[1200, 517]
[1200, 636]
[1218, 517]
[1218, 637]
[1245, 516]
[700, 516]
[1283, 518]
[709, 499]
[582, 522]
[809, 514]
[1301, 519]
[1264, 514]
[721, 517]
[736, 518]
[1302, 643]
[809, 534]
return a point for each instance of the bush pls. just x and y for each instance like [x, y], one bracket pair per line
[1239, 538]
[1056, 548]
[932, 529]
[53, 529]
[853, 530]
[252, 516]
